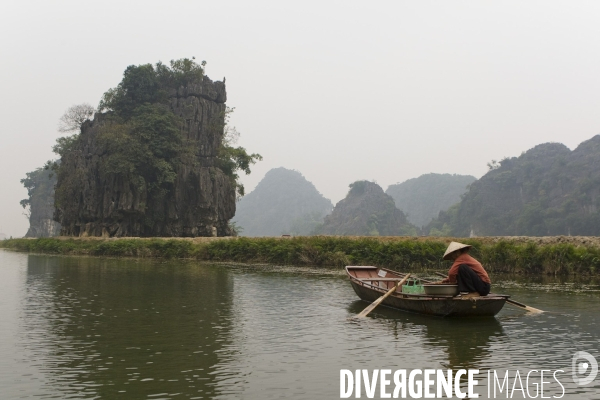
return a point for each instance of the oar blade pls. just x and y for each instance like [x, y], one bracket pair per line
[524, 306]
[534, 310]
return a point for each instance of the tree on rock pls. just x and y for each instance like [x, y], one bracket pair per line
[74, 117]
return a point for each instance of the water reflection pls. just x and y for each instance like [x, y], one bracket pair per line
[466, 343]
[96, 328]
[109, 328]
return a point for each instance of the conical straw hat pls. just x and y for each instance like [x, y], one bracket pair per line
[453, 246]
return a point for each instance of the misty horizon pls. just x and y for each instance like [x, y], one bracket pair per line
[340, 92]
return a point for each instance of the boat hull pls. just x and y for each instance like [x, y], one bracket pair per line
[485, 306]
[473, 307]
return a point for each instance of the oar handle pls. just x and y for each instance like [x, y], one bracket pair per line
[516, 303]
[372, 306]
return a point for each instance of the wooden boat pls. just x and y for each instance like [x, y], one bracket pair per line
[370, 283]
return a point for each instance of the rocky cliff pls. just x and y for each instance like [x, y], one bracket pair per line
[99, 196]
[40, 203]
[283, 202]
[367, 211]
[548, 190]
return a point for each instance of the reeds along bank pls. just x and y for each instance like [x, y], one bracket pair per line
[401, 253]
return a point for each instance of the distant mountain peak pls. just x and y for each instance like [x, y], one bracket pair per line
[423, 198]
[367, 211]
[283, 202]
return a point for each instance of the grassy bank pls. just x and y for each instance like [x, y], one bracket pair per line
[409, 254]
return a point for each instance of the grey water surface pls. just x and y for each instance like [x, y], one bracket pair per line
[91, 328]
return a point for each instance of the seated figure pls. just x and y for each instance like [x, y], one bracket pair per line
[466, 271]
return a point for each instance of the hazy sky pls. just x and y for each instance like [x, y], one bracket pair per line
[339, 91]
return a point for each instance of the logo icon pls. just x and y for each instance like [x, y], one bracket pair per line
[580, 367]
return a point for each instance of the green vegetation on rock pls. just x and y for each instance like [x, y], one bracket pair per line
[141, 117]
[283, 202]
[148, 84]
[155, 160]
[548, 190]
[422, 198]
[40, 202]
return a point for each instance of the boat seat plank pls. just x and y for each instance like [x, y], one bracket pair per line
[437, 296]
[440, 296]
[377, 278]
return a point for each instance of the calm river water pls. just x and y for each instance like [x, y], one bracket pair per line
[87, 328]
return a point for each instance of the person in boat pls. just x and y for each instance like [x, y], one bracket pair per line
[466, 271]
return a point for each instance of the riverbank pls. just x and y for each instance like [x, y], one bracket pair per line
[558, 255]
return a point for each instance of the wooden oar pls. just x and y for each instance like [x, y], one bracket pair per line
[523, 306]
[509, 301]
[374, 304]
[440, 274]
